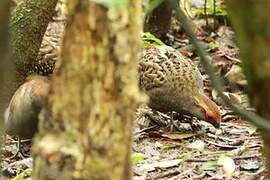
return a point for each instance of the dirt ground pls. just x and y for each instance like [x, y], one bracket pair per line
[191, 149]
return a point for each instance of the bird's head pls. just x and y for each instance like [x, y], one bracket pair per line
[208, 109]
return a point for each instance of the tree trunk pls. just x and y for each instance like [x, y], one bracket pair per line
[87, 126]
[28, 24]
[158, 22]
[252, 23]
[5, 63]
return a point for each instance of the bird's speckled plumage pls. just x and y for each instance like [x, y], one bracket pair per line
[174, 83]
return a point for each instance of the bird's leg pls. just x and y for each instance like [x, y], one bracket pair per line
[19, 152]
[195, 124]
[155, 118]
[173, 124]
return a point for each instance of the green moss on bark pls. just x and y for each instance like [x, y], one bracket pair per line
[27, 27]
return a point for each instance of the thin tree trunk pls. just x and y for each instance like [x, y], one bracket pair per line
[252, 23]
[28, 24]
[6, 65]
[87, 126]
[158, 22]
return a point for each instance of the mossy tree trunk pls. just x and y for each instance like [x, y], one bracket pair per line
[27, 27]
[87, 126]
[252, 24]
[158, 22]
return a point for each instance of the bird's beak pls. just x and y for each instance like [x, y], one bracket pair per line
[214, 119]
[214, 123]
[212, 112]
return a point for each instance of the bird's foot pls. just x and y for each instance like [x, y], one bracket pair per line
[19, 153]
[172, 124]
[147, 118]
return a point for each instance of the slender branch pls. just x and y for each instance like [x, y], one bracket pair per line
[205, 12]
[214, 14]
[216, 81]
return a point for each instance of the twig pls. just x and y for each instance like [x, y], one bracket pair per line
[216, 81]
[258, 156]
[232, 58]
[201, 159]
[145, 129]
[22, 141]
[215, 159]
[200, 176]
[260, 171]
[222, 138]
[185, 172]
[172, 173]
[255, 146]
[205, 12]
[222, 145]
[253, 137]
[214, 15]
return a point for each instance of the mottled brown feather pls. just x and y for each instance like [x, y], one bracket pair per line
[174, 83]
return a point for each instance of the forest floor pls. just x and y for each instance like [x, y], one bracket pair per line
[194, 150]
[200, 151]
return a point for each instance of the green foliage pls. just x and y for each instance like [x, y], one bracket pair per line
[219, 11]
[226, 162]
[209, 165]
[136, 158]
[113, 3]
[252, 130]
[186, 156]
[149, 39]
[23, 175]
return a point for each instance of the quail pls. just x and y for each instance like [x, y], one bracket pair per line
[21, 116]
[174, 83]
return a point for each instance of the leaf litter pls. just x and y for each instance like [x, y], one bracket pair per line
[192, 150]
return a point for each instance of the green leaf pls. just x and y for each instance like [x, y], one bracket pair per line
[150, 39]
[220, 11]
[113, 3]
[146, 44]
[186, 156]
[252, 130]
[209, 165]
[136, 158]
[23, 175]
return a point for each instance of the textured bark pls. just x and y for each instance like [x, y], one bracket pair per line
[159, 21]
[28, 24]
[87, 131]
[252, 23]
[6, 66]
[5, 63]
